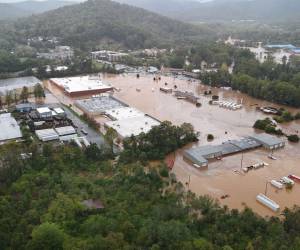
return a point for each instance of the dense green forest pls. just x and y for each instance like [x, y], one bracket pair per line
[132, 206]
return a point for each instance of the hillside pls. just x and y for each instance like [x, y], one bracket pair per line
[9, 11]
[103, 20]
[225, 10]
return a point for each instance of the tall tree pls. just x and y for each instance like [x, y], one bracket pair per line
[8, 98]
[39, 91]
[24, 94]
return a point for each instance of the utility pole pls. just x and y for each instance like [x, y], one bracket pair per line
[242, 159]
[189, 181]
[266, 189]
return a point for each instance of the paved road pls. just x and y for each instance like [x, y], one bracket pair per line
[92, 136]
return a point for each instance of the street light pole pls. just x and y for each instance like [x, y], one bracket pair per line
[266, 189]
[242, 159]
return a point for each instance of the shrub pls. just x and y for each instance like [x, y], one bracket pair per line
[210, 137]
[293, 138]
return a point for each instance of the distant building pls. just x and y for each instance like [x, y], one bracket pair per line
[280, 46]
[61, 53]
[111, 56]
[10, 129]
[172, 71]
[81, 85]
[152, 70]
[154, 52]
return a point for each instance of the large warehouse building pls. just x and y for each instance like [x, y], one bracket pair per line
[201, 155]
[81, 85]
[10, 129]
[133, 126]
[16, 85]
[99, 105]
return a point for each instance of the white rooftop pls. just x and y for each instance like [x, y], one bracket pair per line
[80, 83]
[59, 111]
[47, 134]
[43, 110]
[67, 130]
[17, 83]
[9, 128]
[133, 126]
[124, 113]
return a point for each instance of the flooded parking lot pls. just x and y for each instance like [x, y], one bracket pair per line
[220, 178]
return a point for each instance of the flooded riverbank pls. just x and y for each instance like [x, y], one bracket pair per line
[219, 178]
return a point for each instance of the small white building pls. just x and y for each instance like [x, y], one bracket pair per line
[44, 112]
[47, 135]
[67, 130]
[59, 111]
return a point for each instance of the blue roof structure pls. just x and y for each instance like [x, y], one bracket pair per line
[296, 50]
[280, 46]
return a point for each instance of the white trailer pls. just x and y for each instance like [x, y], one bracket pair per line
[276, 184]
[261, 198]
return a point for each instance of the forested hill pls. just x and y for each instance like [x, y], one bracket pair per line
[89, 23]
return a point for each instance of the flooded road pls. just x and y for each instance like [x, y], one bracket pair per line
[219, 178]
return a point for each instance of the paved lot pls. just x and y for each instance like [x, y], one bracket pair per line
[92, 136]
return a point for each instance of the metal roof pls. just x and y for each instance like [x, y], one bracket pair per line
[9, 127]
[17, 83]
[67, 130]
[43, 110]
[245, 143]
[99, 105]
[47, 134]
[200, 155]
[268, 140]
[80, 83]
[133, 126]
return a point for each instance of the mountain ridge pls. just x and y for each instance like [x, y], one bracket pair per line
[224, 10]
[97, 20]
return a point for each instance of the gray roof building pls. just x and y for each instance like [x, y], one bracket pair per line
[269, 141]
[9, 128]
[98, 105]
[17, 83]
[201, 155]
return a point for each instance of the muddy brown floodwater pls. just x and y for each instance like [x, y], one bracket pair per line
[219, 178]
